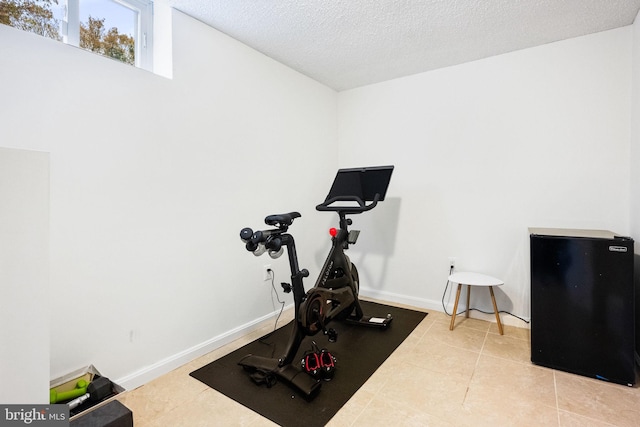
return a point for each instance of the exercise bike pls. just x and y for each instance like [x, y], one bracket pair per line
[335, 294]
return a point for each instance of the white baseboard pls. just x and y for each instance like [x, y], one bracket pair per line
[401, 299]
[164, 366]
[435, 305]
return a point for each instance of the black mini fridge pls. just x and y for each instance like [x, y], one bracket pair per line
[582, 303]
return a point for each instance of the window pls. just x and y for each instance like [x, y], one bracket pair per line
[119, 29]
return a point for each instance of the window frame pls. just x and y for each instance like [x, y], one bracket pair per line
[70, 28]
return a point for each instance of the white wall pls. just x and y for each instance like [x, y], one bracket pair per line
[24, 276]
[635, 136]
[152, 180]
[484, 150]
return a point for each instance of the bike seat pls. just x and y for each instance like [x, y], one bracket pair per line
[282, 219]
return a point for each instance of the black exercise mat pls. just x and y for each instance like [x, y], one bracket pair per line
[359, 351]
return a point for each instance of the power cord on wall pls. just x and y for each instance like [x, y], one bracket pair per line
[446, 288]
[263, 340]
[273, 287]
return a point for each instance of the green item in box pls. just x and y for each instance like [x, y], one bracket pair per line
[61, 396]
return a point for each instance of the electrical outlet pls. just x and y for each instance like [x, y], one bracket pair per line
[266, 272]
[452, 262]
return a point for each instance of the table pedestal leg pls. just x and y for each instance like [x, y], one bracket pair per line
[468, 299]
[495, 308]
[455, 308]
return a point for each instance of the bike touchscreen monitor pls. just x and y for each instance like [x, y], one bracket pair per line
[364, 183]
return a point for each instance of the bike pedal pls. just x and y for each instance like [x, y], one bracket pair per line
[328, 363]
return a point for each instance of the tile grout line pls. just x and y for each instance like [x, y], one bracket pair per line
[486, 335]
[555, 389]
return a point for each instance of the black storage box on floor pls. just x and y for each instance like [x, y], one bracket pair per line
[636, 282]
[112, 414]
[582, 303]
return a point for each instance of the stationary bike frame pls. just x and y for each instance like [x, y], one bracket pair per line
[335, 294]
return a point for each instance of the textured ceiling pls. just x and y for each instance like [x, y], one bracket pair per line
[350, 43]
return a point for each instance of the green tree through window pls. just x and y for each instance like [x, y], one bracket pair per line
[37, 16]
[33, 16]
[96, 38]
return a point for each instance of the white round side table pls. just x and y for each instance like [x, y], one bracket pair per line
[474, 279]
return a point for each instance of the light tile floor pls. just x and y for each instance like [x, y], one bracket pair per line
[471, 376]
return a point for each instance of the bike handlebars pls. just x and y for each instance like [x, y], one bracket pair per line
[270, 240]
[362, 205]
